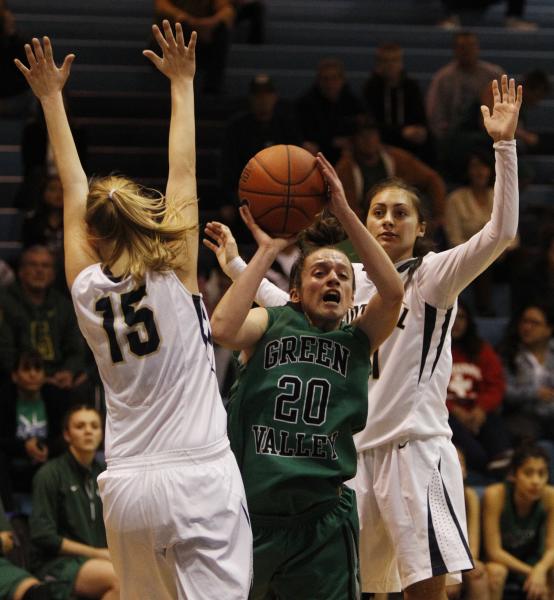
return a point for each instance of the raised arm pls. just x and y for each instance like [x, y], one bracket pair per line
[234, 323]
[178, 64]
[381, 314]
[47, 81]
[446, 274]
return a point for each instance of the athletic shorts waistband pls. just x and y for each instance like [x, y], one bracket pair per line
[303, 519]
[190, 456]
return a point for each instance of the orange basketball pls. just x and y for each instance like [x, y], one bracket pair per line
[283, 188]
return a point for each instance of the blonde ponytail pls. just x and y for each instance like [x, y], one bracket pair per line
[139, 221]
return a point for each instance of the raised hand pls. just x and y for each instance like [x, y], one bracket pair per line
[223, 245]
[177, 60]
[42, 75]
[337, 197]
[502, 123]
[261, 237]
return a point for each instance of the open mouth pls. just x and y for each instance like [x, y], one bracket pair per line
[332, 296]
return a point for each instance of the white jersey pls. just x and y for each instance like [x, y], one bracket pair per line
[153, 347]
[412, 369]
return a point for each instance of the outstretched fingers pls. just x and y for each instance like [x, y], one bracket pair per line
[191, 48]
[37, 48]
[519, 97]
[30, 56]
[159, 37]
[496, 92]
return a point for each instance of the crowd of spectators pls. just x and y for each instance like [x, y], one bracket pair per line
[497, 397]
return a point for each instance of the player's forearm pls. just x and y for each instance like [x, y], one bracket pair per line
[377, 264]
[510, 561]
[182, 143]
[232, 310]
[71, 548]
[65, 152]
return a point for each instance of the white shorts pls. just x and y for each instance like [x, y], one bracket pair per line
[177, 525]
[410, 499]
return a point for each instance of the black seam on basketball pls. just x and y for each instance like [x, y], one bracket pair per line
[287, 205]
[293, 195]
[272, 208]
[259, 162]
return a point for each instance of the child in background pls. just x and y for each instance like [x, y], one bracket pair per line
[24, 424]
[518, 523]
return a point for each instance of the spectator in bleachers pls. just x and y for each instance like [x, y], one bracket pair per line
[475, 583]
[528, 354]
[514, 13]
[396, 103]
[15, 99]
[534, 280]
[518, 527]
[24, 431]
[66, 522]
[467, 210]
[537, 88]
[327, 112]
[252, 11]
[213, 21]
[44, 226]
[16, 583]
[369, 162]
[38, 317]
[457, 85]
[38, 158]
[474, 397]
[267, 122]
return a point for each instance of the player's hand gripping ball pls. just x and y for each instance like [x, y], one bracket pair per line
[283, 188]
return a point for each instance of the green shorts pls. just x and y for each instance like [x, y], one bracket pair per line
[312, 557]
[63, 571]
[10, 577]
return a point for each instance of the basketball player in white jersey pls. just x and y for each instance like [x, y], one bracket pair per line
[409, 484]
[174, 503]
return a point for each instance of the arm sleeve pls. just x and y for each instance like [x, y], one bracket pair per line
[493, 384]
[43, 523]
[520, 394]
[268, 294]
[446, 274]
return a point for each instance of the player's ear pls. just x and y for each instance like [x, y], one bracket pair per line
[294, 295]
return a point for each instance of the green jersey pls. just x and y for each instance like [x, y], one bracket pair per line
[293, 411]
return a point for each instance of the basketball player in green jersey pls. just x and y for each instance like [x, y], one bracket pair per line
[300, 396]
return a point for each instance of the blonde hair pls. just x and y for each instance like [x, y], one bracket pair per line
[139, 221]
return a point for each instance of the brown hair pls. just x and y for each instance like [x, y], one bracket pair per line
[137, 220]
[325, 232]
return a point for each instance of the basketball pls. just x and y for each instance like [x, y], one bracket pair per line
[283, 189]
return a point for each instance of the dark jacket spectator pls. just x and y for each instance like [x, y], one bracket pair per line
[395, 102]
[37, 317]
[268, 122]
[327, 111]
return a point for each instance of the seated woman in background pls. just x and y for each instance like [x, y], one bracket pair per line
[518, 527]
[474, 395]
[467, 210]
[528, 355]
[66, 523]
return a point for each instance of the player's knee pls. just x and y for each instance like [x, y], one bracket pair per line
[429, 589]
[497, 576]
[454, 592]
